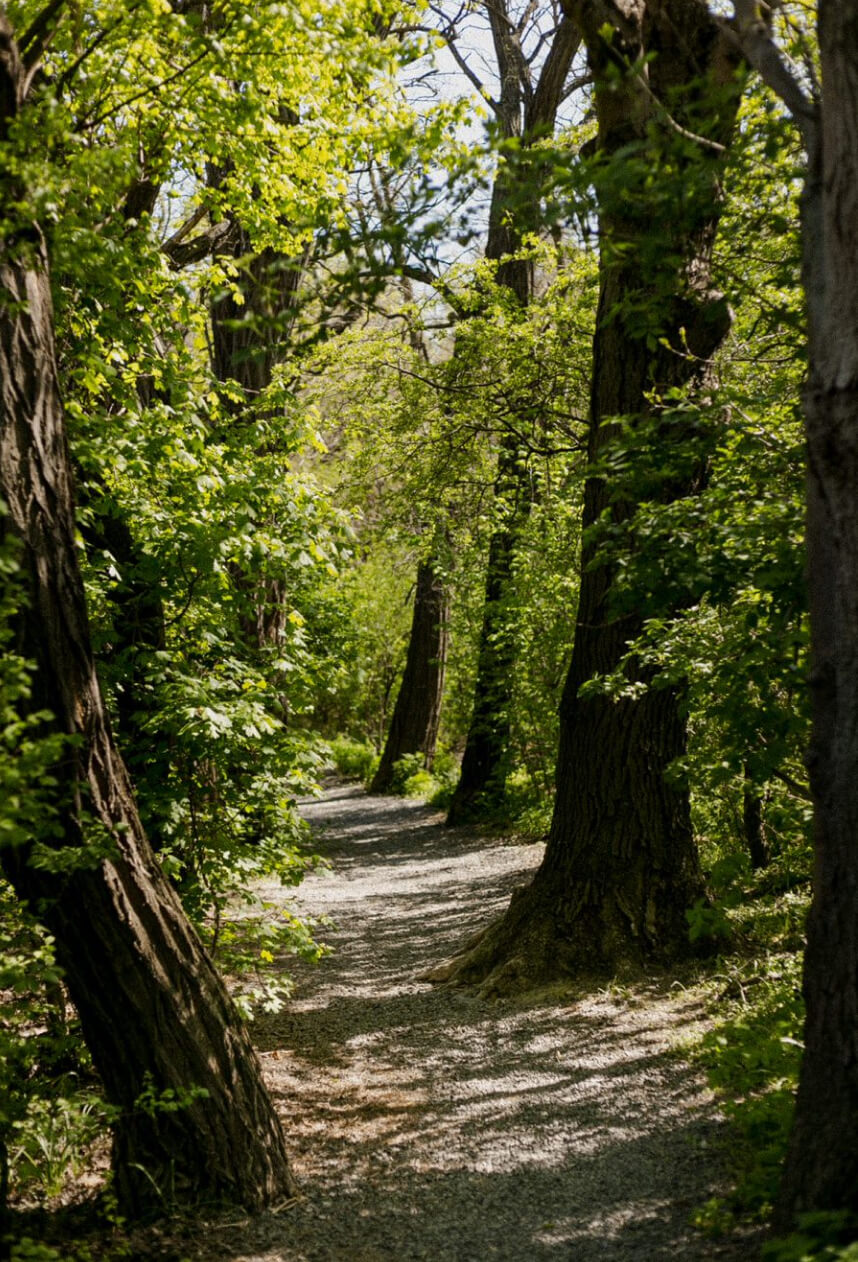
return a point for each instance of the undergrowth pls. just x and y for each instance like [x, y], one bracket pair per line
[752, 1055]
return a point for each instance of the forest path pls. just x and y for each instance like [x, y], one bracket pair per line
[429, 1124]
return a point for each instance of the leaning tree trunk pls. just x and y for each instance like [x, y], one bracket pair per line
[621, 868]
[414, 726]
[526, 114]
[153, 1010]
[822, 1162]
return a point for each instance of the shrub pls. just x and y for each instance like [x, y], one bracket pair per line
[354, 760]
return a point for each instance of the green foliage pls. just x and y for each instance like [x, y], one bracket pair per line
[752, 1058]
[45, 1125]
[404, 770]
[707, 922]
[358, 627]
[822, 1237]
[152, 1102]
[50, 1113]
[50, 1144]
[29, 1250]
[355, 760]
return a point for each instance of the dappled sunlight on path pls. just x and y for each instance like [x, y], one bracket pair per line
[429, 1124]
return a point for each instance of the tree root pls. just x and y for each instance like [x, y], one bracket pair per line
[538, 944]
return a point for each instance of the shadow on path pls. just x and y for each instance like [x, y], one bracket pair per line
[427, 1124]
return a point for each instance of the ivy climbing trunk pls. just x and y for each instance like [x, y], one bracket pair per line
[620, 867]
[414, 726]
[525, 113]
[153, 1010]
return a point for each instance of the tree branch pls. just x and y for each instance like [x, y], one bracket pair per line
[40, 32]
[182, 253]
[752, 36]
[541, 112]
[450, 40]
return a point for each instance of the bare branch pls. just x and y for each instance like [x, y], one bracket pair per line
[423, 276]
[513, 67]
[40, 32]
[542, 109]
[753, 38]
[525, 18]
[182, 253]
[449, 34]
[183, 229]
[795, 786]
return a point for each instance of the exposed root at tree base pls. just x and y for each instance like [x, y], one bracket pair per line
[533, 947]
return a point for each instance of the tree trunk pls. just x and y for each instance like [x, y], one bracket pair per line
[414, 726]
[250, 337]
[251, 333]
[528, 114]
[154, 1012]
[822, 1162]
[485, 762]
[139, 632]
[752, 824]
[621, 868]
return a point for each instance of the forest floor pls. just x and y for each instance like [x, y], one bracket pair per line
[427, 1123]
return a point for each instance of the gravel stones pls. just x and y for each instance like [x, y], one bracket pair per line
[427, 1124]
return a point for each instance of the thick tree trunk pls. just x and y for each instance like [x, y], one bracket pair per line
[250, 337]
[154, 1012]
[822, 1163]
[414, 726]
[621, 869]
[529, 115]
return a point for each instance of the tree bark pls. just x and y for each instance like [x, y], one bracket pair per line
[821, 1171]
[528, 114]
[251, 333]
[752, 824]
[485, 762]
[621, 868]
[153, 1010]
[139, 632]
[414, 726]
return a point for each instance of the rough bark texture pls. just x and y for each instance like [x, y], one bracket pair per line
[822, 1163]
[249, 338]
[154, 1012]
[529, 114]
[620, 868]
[414, 726]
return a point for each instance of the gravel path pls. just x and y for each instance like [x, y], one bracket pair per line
[429, 1124]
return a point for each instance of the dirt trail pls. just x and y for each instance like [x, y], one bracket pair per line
[429, 1124]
